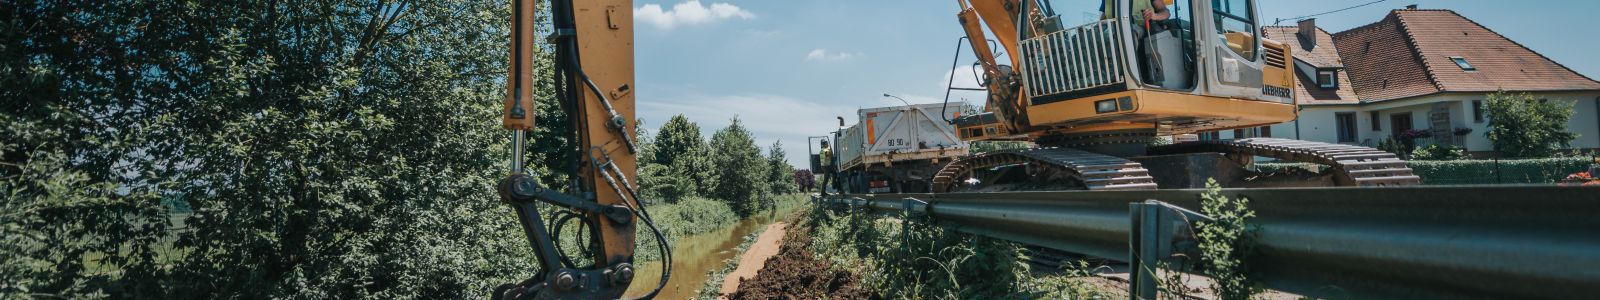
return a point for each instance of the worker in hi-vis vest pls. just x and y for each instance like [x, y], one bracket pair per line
[826, 158]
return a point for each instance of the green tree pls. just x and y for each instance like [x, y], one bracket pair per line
[1520, 126]
[684, 166]
[679, 137]
[779, 172]
[336, 149]
[740, 169]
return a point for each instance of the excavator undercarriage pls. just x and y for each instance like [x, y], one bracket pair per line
[1182, 165]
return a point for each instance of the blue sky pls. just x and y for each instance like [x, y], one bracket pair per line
[787, 68]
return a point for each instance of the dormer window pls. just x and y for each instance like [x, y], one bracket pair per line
[1328, 79]
[1462, 62]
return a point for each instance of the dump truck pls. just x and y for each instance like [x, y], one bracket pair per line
[897, 149]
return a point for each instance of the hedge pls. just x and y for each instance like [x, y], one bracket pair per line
[1449, 172]
[1547, 170]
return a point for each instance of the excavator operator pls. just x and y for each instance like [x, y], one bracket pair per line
[1149, 18]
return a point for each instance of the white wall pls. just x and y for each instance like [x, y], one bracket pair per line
[1317, 123]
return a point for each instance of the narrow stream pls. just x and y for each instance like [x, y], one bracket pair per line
[696, 255]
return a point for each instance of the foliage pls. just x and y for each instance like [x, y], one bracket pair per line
[337, 149]
[1438, 152]
[1399, 148]
[1520, 126]
[740, 169]
[712, 288]
[687, 217]
[991, 146]
[64, 233]
[1225, 242]
[780, 173]
[1585, 178]
[1411, 135]
[805, 180]
[917, 260]
[687, 170]
[1543, 171]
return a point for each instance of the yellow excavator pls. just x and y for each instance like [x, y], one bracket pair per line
[1093, 96]
[1096, 96]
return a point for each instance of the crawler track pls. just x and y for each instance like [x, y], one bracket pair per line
[1352, 165]
[1093, 171]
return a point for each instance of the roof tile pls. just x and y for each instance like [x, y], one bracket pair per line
[1408, 54]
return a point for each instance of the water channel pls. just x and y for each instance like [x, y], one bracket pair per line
[696, 255]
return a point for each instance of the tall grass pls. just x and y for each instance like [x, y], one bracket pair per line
[689, 216]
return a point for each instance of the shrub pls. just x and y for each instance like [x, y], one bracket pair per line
[1225, 242]
[1547, 170]
[915, 260]
[1520, 126]
[1437, 152]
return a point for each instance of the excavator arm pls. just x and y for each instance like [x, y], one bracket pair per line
[593, 42]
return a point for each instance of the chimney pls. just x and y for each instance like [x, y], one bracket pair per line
[1411, 7]
[1308, 32]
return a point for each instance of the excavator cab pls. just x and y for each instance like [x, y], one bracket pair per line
[1087, 69]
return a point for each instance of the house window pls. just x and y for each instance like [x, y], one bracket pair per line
[1399, 123]
[1265, 131]
[1347, 127]
[1477, 111]
[1238, 134]
[1462, 62]
[1377, 125]
[1328, 79]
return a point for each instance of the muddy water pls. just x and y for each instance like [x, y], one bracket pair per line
[694, 256]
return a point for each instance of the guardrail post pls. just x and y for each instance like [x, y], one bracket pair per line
[1153, 239]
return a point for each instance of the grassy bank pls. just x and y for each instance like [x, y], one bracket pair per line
[695, 215]
[713, 285]
[922, 261]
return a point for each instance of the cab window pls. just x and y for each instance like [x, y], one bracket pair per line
[1236, 26]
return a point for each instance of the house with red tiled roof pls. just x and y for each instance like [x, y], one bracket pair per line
[1422, 69]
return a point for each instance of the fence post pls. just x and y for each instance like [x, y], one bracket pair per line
[1153, 238]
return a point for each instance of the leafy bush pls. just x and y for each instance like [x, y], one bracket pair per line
[916, 260]
[805, 180]
[1437, 152]
[322, 157]
[1225, 242]
[1548, 170]
[1520, 126]
[1399, 148]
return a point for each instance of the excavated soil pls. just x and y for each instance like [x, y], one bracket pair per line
[795, 274]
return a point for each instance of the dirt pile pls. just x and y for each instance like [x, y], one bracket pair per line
[795, 274]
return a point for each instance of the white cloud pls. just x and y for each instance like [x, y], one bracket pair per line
[820, 54]
[768, 117]
[689, 12]
[966, 77]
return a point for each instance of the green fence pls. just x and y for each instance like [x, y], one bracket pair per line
[1517, 171]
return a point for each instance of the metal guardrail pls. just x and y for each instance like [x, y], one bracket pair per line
[1073, 59]
[1424, 242]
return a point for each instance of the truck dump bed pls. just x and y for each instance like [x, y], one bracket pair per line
[891, 134]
